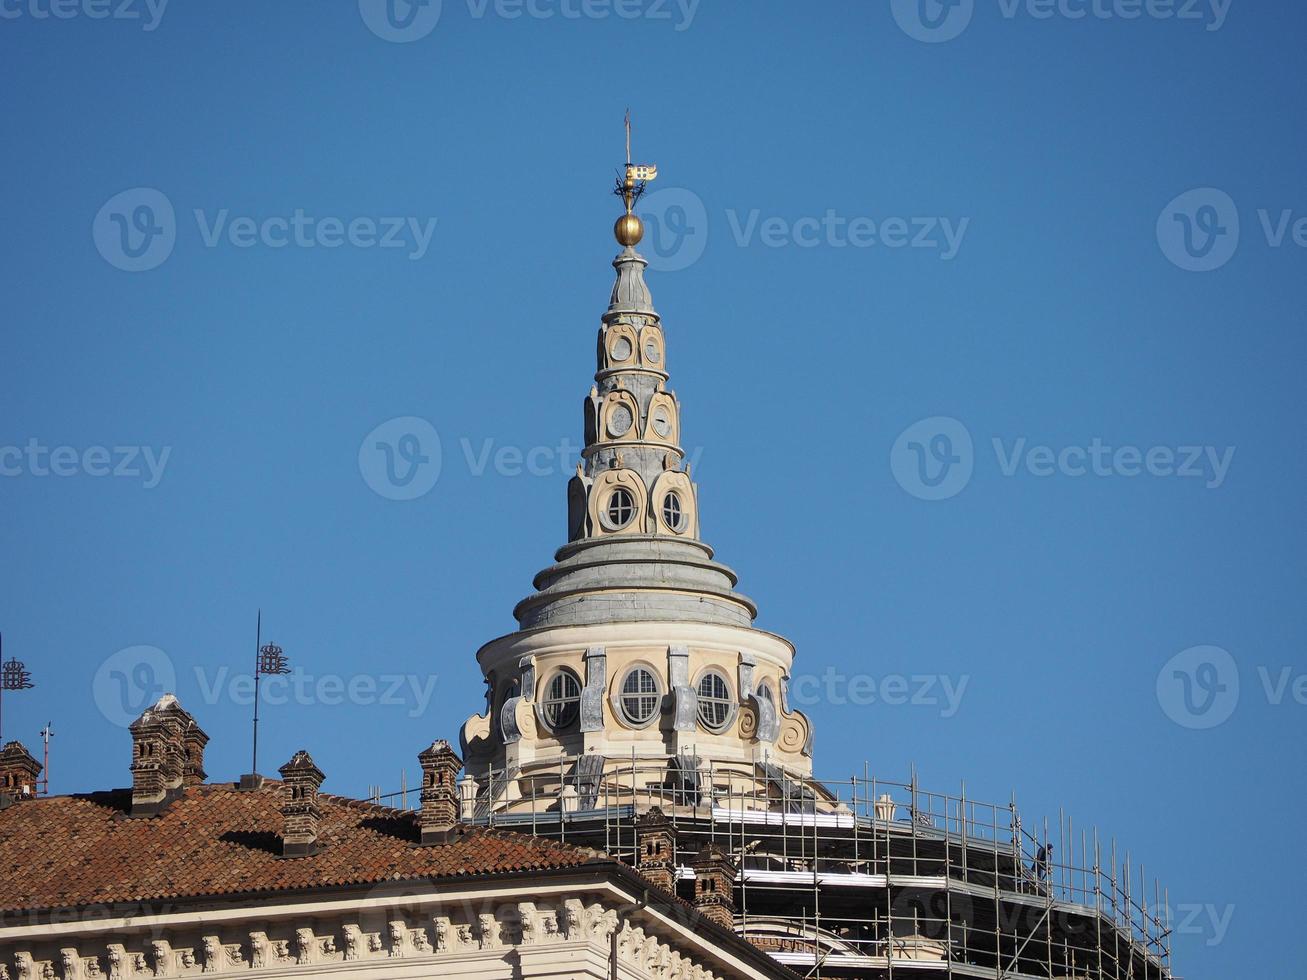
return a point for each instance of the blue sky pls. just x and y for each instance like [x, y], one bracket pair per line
[980, 389]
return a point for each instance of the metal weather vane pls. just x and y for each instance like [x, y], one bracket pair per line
[14, 676]
[268, 659]
[632, 186]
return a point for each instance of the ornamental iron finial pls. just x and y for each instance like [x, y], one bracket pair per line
[630, 188]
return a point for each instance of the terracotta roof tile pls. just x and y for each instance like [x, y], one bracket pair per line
[73, 851]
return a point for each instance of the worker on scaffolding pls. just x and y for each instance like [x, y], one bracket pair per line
[1043, 861]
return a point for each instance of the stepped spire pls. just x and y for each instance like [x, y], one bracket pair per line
[633, 510]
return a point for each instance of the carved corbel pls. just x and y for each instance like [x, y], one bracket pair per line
[161, 958]
[353, 941]
[398, 934]
[213, 954]
[260, 951]
[306, 947]
[442, 926]
[488, 931]
[574, 919]
[512, 924]
[72, 964]
[116, 955]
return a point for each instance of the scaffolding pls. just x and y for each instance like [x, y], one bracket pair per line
[863, 877]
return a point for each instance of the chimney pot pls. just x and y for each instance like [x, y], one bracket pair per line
[441, 797]
[656, 849]
[167, 755]
[19, 772]
[714, 885]
[300, 812]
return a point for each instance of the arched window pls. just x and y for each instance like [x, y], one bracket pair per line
[673, 512]
[621, 508]
[715, 704]
[562, 701]
[640, 696]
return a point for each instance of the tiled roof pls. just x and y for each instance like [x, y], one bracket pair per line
[72, 851]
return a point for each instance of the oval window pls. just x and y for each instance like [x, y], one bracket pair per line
[714, 701]
[640, 696]
[562, 701]
[621, 508]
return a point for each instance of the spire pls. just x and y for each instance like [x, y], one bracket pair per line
[633, 510]
[630, 294]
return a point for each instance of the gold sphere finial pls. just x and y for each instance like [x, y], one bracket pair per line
[629, 230]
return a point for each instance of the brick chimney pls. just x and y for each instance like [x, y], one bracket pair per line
[193, 742]
[300, 811]
[714, 885]
[656, 849]
[440, 793]
[159, 756]
[19, 772]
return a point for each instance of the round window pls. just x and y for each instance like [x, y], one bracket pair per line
[673, 514]
[621, 508]
[621, 349]
[662, 421]
[651, 352]
[714, 701]
[620, 421]
[639, 698]
[562, 701]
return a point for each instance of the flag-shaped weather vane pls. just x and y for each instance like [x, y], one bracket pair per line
[14, 676]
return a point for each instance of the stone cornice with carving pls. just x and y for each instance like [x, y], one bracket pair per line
[436, 937]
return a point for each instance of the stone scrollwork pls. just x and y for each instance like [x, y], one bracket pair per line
[515, 721]
[685, 702]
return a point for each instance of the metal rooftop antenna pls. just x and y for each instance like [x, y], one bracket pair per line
[47, 733]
